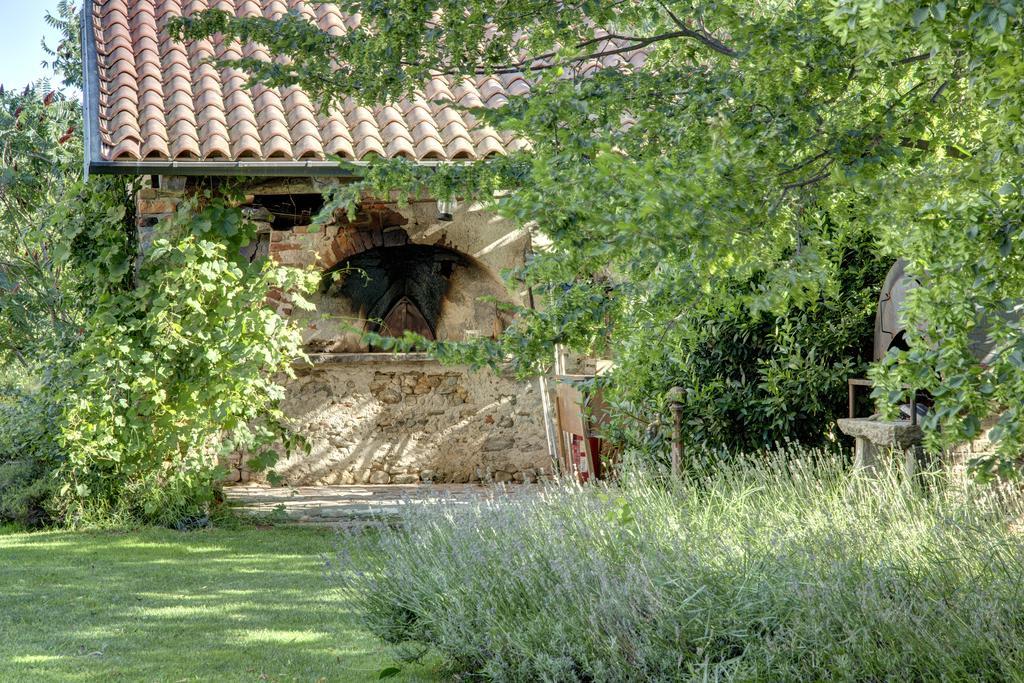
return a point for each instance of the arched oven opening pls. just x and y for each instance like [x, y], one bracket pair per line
[396, 289]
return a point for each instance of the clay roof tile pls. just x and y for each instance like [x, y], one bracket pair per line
[396, 130]
[341, 147]
[333, 127]
[245, 147]
[459, 148]
[126, 149]
[121, 79]
[430, 149]
[490, 146]
[367, 147]
[214, 146]
[276, 147]
[184, 147]
[243, 128]
[400, 147]
[426, 130]
[154, 128]
[182, 128]
[154, 147]
[308, 147]
[162, 99]
[124, 119]
[329, 20]
[248, 8]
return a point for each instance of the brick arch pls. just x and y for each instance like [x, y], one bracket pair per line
[375, 225]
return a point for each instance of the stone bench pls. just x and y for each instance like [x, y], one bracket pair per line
[877, 439]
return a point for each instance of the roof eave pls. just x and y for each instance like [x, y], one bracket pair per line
[90, 91]
[224, 168]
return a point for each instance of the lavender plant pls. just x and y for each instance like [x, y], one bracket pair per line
[784, 569]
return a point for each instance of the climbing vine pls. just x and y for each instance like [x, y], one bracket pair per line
[136, 367]
[178, 371]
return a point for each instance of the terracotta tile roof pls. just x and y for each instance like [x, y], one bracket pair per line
[160, 100]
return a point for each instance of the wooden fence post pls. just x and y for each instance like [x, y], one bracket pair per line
[675, 404]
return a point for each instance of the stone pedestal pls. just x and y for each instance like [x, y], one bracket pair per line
[878, 439]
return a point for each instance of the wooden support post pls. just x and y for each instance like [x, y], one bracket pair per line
[675, 399]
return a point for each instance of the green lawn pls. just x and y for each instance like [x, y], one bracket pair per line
[157, 605]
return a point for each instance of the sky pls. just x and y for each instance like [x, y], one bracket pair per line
[21, 29]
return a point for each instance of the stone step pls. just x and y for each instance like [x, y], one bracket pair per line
[355, 506]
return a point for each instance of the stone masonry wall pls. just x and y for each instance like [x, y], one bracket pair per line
[378, 420]
[407, 422]
[957, 457]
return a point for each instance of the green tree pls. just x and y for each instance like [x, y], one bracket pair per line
[756, 142]
[40, 155]
[178, 371]
[133, 372]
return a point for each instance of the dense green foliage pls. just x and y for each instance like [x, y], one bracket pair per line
[29, 453]
[134, 369]
[40, 155]
[178, 369]
[41, 312]
[787, 569]
[732, 170]
[750, 380]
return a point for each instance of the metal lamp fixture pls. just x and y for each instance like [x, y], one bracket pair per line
[445, 209]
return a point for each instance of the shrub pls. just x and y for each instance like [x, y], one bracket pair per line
[789, 569]
[28, 453]
[751, 378]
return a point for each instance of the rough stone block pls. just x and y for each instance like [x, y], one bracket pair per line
[498, 443]
[157, 206]
[895, 433]
[395, 237]
[865, 454]
[292, 258]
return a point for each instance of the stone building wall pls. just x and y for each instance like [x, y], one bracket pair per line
[393, 418]
[487, 245]
[407, 422]
[957, 457]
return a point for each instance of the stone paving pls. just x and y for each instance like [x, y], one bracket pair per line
[361, 505]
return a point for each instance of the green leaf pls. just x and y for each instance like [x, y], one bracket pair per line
[389, 672]
[999, 25]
